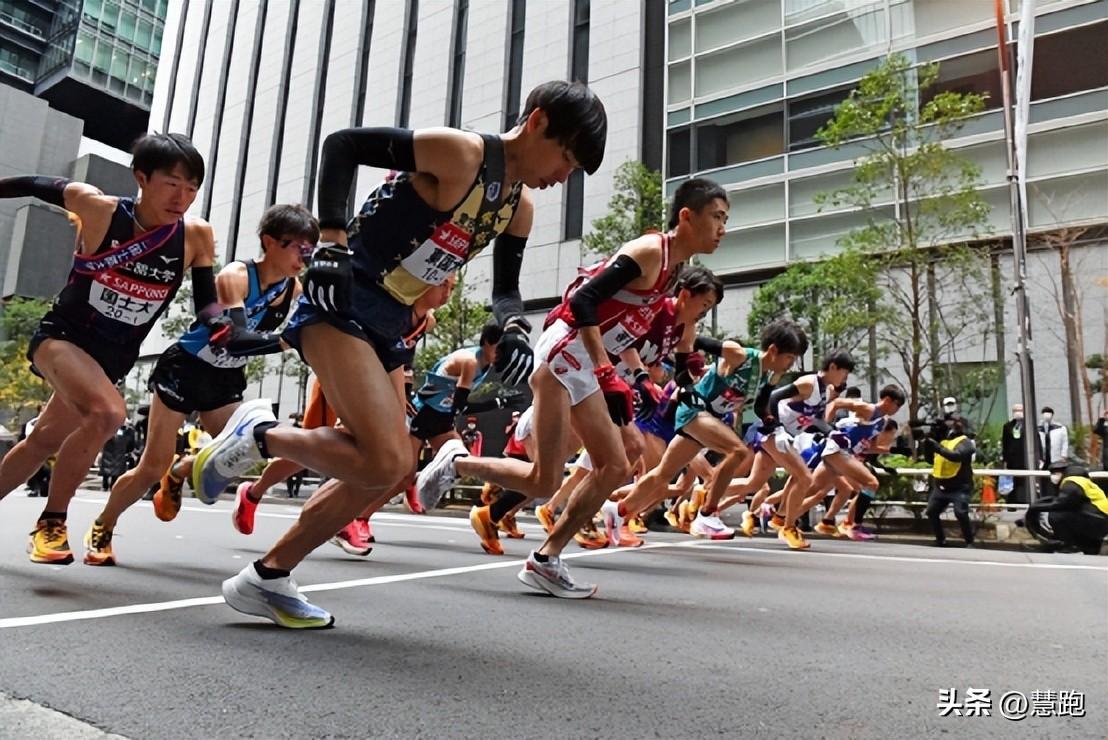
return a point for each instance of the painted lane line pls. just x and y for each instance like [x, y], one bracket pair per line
[900, 558]
[162, 606]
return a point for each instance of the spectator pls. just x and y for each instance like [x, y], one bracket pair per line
[39, 483]
[1013, 454]
[951, 480]
[1077, 517]
[118, 455]
[1101, 430]
[472, 437]
[1055, 441]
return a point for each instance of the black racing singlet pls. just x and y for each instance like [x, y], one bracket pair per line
[120, 290]
[405, 246]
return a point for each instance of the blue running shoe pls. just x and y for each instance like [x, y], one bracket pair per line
[276, 599]
[232, 454]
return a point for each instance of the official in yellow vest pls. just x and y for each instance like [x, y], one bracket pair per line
[951, 479]
[1076, 518]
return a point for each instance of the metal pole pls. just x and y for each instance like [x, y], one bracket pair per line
[1019, 258]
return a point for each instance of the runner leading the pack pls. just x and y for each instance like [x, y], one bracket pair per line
[455, 193]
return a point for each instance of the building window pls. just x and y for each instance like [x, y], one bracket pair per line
[808, 115]
[458, 66]
[579, 72]
[1056, 69]
[406, 68]
[679, 152]
[515, 64]
[739, 138]
[972, 73]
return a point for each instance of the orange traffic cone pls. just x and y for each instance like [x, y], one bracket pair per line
[988, 494]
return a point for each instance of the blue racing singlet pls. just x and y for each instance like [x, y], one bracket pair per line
[437, 390]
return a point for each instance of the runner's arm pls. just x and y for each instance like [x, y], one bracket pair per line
[507, 261]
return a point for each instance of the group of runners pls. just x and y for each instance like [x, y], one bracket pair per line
[618, 369]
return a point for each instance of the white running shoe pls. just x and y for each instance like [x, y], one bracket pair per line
[439, 476]
[277, 599]
[710, 528]
[232, 454]
[553, 577]
[612, 521]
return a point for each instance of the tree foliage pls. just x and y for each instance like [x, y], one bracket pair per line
[636, 206]
[835, 301]
[20, 389]
[922, 206]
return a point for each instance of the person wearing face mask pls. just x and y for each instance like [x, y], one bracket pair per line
[1055, 444]
[1013, 454]
[951, 480]
[472, 437]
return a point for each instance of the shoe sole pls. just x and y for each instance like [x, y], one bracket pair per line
[712, 535]
[196, 476]
[529, 578]
[64, 560]
[343, 545]
[246, 605]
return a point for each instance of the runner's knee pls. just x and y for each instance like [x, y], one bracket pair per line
[103, 417]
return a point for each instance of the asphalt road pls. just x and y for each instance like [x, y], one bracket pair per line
[433, 638]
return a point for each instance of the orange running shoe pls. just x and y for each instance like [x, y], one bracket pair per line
[489, 492]
[508, 526]
[483, 525]
[546, 517]
[637, 526]
[590, 538]
[749, 524]
[686, 512]
[828, 529]
[49, 543]
[98, 545]
[167, 500]
[793, 537]
[627, 538]
[777, 523]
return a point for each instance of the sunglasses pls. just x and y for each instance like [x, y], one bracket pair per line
[305, 247]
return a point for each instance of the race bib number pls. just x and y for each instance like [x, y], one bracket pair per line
[123, 299]
[627, 330]
[726, 402]
[441, 255]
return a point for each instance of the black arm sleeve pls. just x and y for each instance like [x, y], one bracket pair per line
[238, 316]
[488, 404]
[761, 401]
[600, 288]
[783, 393]
[385, 147]
[711, 345]
[48, 189]
[203, 288]
[507, 260]
[461, 400]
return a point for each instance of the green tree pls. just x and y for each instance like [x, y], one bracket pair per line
[636, 206]
[457, 324]
[835, 301]
[20, 389]
[922, 209]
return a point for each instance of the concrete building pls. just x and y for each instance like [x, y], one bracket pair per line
[749, 82]
[258, 84]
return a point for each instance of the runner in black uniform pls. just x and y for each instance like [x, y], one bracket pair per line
[193, 375]
[454, 193]
[131, 257]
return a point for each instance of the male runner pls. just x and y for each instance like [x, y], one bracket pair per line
[576, 386]
[456, 192]
[130, 259]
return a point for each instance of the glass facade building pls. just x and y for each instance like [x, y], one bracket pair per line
[94, 59]
[750, 82]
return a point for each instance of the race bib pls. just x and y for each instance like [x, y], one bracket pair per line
[440, 256]
[727, 401]
[629, 328]
[126, 300]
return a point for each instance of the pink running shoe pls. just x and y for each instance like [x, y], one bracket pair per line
[858, 534]
[411, 500]
[352, 540]
[242, 516]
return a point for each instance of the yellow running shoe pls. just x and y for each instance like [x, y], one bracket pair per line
[49, 543]
[508, 526]
[546, 517]
[749, 524]
[699, 493]
[98, 545]
[777, 523]
[686, 512]
[828, 529]
[671, 518]
[483, 525]
[637, 526]
[793, 537]
[167, 499]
